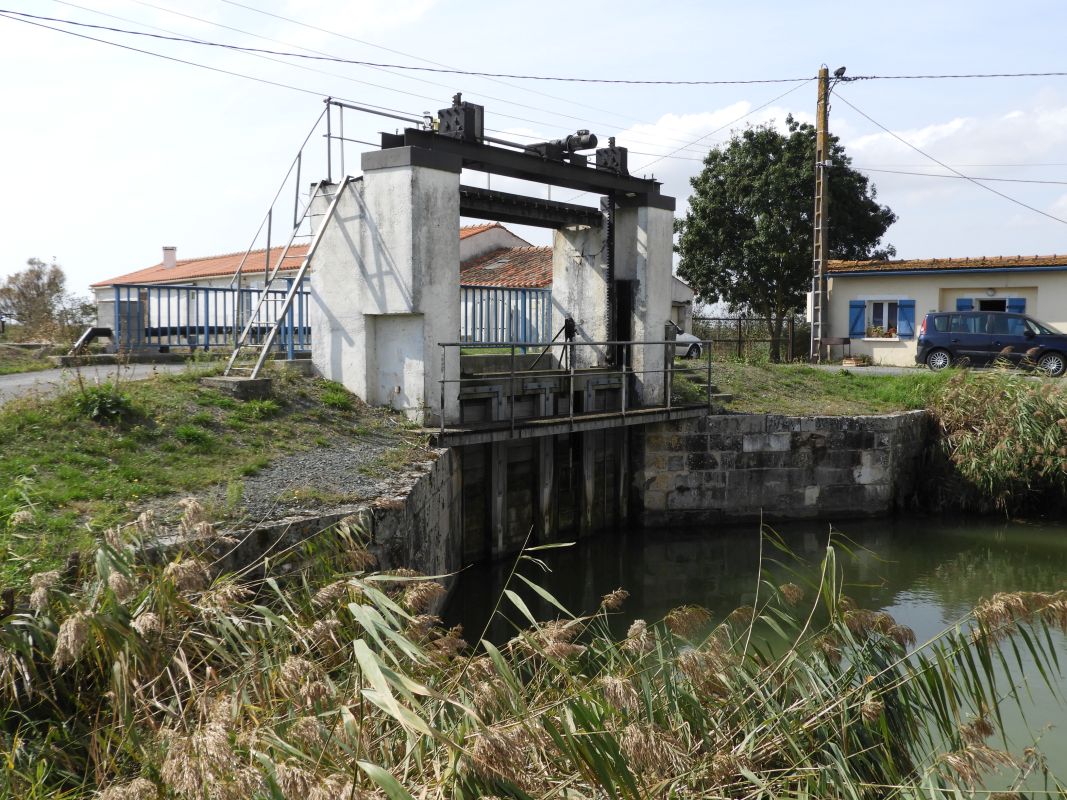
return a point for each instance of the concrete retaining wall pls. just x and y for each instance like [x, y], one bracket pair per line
[416, 526]
[735, 467]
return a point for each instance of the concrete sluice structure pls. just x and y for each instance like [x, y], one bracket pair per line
[543, 443]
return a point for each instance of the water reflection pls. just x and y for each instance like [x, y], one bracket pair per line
[926, 572]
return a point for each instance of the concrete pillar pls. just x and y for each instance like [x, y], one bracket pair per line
[385, 284]
[579, 289]
[644, 232]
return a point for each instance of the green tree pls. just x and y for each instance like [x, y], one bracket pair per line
[37, 299]
[747, 237]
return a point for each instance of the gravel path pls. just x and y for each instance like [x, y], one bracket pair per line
[323, 477]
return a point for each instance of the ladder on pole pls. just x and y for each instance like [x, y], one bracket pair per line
[245, 341]
[819, 324]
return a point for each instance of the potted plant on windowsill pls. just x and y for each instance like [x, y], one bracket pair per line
[878, 332]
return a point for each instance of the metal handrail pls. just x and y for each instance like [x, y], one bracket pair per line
[570, 372]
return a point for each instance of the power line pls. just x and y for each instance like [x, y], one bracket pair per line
[417, 57]
[710, 133]
[261, 53]
[943, 165]
[279, 84]
[450, 88]
[957, 76]
[958, 177]
[339, 60]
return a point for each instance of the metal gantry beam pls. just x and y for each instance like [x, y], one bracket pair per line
[523, 165]
[524, 210]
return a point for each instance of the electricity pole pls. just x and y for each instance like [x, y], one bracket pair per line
[819, 325]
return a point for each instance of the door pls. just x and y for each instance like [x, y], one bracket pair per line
[1009, 341]
[967, 337]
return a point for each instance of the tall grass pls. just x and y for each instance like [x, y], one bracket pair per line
[1006, 438]
[309, 676]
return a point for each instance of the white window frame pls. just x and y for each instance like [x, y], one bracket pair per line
[868, 301]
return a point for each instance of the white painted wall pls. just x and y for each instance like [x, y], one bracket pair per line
[487, 241]
[643, 238]
[385, 289]
[579, 288]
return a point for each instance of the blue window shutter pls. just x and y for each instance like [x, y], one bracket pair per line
[964, 304]
[906, 319]
[1017, 305]
[857, 314]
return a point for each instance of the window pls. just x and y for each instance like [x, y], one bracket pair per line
[881, 318]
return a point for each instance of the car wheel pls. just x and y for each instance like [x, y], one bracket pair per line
[1052, 364]
[937, 360]
[693, 351]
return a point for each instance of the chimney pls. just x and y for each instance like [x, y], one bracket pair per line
[170, 257]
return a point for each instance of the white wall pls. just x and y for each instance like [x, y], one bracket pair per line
[488, 240]
[385, 288]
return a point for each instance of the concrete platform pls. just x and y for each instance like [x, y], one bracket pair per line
[242, 388]
[501, 431]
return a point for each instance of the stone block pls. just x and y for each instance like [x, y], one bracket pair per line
[780, 424]
[714, 478]
[811, 495]
[702, 461]
[774, 442]
[696, 442]
[675, 463]
[240, 387]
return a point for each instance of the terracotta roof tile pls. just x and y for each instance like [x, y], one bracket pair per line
[949, 264]
[516, 267]
[224, 265]
[211, 267]
[470, 230]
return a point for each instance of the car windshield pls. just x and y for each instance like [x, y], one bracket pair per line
[1042, 327]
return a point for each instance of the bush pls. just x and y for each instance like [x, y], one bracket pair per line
[102, 403]
[1005, 436]
[336, 396]
[193, 435]
[258, 409]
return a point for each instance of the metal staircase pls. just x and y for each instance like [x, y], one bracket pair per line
[253, 348]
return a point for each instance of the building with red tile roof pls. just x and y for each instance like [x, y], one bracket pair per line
[512, 267]
[880, 305]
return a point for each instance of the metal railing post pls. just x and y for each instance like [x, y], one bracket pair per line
[207, 313]
[116, 339]
[444, 362]
[512, 380]
[625, 378]
[570, 379]
[740, 341]
[708, 392]
[790, 331]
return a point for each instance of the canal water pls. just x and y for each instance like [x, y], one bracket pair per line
[926, 572]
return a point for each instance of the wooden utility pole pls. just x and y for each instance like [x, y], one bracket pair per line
[820, 328]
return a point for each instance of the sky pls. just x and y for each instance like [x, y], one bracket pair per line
[110, 154]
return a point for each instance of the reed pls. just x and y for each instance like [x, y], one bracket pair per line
[1005, 437]
[311, 676]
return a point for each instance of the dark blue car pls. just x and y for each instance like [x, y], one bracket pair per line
[982, 337]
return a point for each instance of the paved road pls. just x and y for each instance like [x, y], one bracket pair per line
[52, 380]
[871, 370]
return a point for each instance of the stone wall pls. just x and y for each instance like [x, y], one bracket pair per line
[734, 467]
[416, 525]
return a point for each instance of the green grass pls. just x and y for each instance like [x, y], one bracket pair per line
[16, 359]
[78, 476]
[800, 390]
